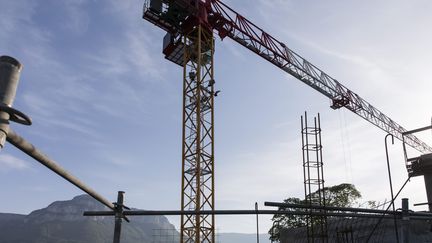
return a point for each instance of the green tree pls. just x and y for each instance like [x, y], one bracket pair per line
[342, 195]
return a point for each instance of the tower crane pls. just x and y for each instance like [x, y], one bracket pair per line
[189, 42]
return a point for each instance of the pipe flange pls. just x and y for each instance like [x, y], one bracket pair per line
[16, 115]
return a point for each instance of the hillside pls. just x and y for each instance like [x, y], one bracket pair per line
[62, 222]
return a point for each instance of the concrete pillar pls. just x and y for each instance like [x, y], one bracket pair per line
[10, 70]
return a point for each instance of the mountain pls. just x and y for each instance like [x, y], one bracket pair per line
[63, 222]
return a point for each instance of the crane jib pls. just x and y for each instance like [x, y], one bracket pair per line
[228, 23]
[260, 42]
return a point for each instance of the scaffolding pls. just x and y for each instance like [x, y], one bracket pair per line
[313, 178]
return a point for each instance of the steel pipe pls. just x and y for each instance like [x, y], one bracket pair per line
[329, 208]
[391, 184]
[417, 130]
[10, 70]
[405, 221]
[231, 212]
[389, 215]
[36, 154]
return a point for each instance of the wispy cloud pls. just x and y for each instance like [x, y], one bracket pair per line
[130, 53]
[77, 15]
[9, 162]
[103, 81]
[10, 19]
[18, 27]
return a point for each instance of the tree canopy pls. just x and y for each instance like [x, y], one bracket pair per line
[342, 195]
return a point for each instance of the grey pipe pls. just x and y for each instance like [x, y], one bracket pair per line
[391, 184]
[318, 207]
[36, 154]
[10, 70]
[405, 220]
[229, 212]
[418, 216]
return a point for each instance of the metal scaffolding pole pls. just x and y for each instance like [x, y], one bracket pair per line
[405, 220]
[9, 76]
[36, 154]
[10, 70]
[419, 216]
[118, 217]
[329, 208]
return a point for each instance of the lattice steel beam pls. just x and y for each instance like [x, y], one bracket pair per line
[231, 24]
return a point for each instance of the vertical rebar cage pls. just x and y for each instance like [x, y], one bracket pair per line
[198, 133]
[313, 177]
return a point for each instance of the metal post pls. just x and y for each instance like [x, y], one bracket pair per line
[118, 216]
[405, 220]
[391, 185]
[388, 215]
[10, 70]
[428, 186]
[257, 223]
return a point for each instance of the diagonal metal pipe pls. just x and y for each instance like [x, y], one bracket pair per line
[32, 151]
[391, 184]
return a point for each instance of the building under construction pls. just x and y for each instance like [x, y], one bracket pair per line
[351, 230]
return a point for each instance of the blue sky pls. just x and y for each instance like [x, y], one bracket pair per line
[107, 106]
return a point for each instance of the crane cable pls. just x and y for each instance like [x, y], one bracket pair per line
[346, 147]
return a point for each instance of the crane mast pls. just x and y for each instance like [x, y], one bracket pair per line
[198, 148]
[189, 42]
